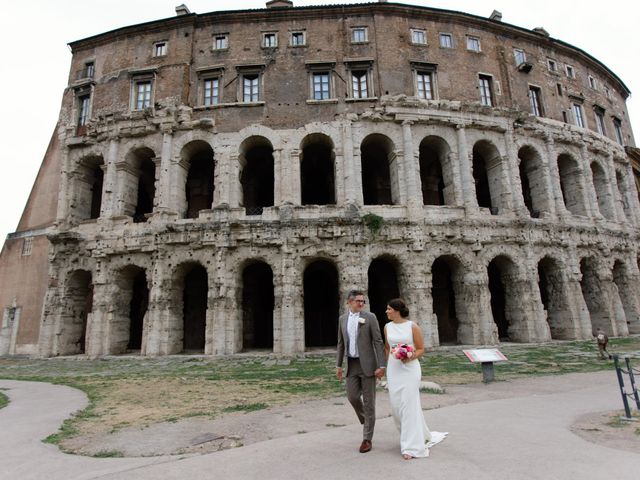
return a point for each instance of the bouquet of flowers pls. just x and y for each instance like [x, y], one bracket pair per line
[402, 351]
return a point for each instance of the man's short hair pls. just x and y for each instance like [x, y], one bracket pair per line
[353, 294]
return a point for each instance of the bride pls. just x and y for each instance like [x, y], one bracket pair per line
[404, 345]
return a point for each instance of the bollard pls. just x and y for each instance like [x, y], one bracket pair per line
[487, 372]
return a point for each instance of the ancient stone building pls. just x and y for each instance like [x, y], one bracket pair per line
[225, 179]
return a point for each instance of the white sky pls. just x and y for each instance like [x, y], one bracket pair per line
[35, 59]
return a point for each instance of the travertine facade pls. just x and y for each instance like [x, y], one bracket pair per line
[228, 177]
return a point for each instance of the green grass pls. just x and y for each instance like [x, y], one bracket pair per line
[251, 407]
[4, 400]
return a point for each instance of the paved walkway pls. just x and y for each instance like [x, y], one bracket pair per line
[523, 437]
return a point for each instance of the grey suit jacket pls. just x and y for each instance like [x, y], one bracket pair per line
[370, 345]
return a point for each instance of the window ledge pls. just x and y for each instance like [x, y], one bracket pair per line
[367, 99]
[220, 49]
[228, 105]
[360, 43]
[298, 46]
[321, 102]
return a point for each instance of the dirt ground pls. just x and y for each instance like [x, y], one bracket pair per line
[198, 435]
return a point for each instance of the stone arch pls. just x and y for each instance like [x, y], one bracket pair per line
[257, 301]
[383, 285]
[594, 296]
[130, 305]
[317, 170]
[380, 179]
[623, 192]
[78, 299]
[628, 294]
[601, 187]
[197, 172]
[571, 184]
[321, 303]
[533, 181]
[138, 183]
[447, 273]
[502, 272]
[555, 300]
[89, 186]
[256, 174]
[436, 172]
[487, 176]
[188, 304]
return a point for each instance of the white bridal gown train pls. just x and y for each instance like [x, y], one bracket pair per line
[403, 381]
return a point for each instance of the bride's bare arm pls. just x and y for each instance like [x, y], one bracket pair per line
[418, 340]
[386, 345]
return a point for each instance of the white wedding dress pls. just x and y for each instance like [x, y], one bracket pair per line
[403, 382]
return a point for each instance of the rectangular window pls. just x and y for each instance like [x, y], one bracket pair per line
[607, 92]
[473, 44]
[359, 35]
[142, 91]
[486, 91]
[418, 37]
[565, 118]
[535, 101]
[559, 88]
[571, 73]
[600, 121]
[519, 56]
[251, 87]
[592, 83]
[269, 40]
[84, 101]
[552, 65]
[160, 49]
[321, 86]
[297, 39]
[578, 115]
[424, 85]
[89, 69]
[359, 84]
[221, 42]
[211, 91]
[27, 246]
[617, 127]
[446, 40]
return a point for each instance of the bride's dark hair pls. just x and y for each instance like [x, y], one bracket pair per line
[399, 305]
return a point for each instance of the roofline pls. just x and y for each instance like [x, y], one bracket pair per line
[193, 19]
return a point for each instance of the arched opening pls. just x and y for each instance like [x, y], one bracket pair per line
[79, 298]
[139, 184]
[321, 304]
[433, 151]
[199, 185]
[379, 171]
[623, 191]
[257, 175]
[486, 175]
[571, 185]
[382, 286]
[600, 185]
[317, 170]
[594, 296]
[195, 300]
[257, 306]
[533, 182]
[554, 299]
[628, 294]
[444, 298]
[130, 301]
[89, 187]
[501, 273]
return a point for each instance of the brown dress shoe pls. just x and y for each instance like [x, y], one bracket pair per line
[365, 446]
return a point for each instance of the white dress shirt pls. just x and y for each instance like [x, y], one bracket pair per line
[352, 333]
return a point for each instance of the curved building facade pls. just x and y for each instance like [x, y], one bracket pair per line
[227, 177]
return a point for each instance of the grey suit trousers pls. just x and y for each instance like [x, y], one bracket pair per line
[361, 393]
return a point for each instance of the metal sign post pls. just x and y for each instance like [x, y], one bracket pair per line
[487, 357]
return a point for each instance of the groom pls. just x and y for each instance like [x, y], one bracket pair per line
[359, 337]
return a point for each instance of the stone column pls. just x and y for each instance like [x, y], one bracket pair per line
[109, 189]
[353, 168]
[411, 173]
[235, 187]
[288, 318]
[524, 309]
[554, 184]
[64, 199]
[99, 320]
[222, 298]
[475, 321]
[512, 162]
[166, 177]
[278, 177]
[417, 293]
[292, 178]
[222, 179]
[634, 202]
[589, 197]
[162, 328]
[577, 311]
[615, 191]
[466, 176]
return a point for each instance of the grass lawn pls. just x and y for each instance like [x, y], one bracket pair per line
[4, 401]
[136, 391]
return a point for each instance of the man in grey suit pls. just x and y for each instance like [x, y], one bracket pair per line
[360, 339]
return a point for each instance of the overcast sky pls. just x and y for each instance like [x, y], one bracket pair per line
[35, 59]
